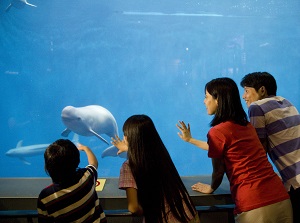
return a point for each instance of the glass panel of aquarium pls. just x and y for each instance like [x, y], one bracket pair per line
[131, 57]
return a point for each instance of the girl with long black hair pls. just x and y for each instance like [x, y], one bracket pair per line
[153, 186]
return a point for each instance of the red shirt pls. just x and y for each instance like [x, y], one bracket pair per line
[253, 182]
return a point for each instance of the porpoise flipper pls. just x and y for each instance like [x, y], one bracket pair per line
[24, 161]
[123, 155]
[99, 136]
[66, 132]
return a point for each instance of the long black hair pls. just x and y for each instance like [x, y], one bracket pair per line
[156, 177]
[229, 107]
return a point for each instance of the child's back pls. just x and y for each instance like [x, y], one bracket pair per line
[72, 196]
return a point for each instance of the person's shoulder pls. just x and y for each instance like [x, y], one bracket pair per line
[219, 128]
[260, 102]
[125, 167]
[125, 164]
[269, 99]
[271, 102]
[89, 168]
[46, 191]
[257, 108]
[226, 127]
[221, 125]
[283, 100]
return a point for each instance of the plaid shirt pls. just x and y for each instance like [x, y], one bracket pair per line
[126, 180]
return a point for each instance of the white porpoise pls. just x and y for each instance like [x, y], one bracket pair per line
[22, 152]
[26, 151]
[91, 120]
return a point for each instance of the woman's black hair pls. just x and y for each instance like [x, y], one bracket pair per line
[61, 160]
[229, 106]
[156, 177]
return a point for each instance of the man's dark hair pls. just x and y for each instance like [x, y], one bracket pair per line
[259, 79]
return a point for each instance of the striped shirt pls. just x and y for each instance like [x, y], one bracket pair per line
[77, 202]
[278, 121]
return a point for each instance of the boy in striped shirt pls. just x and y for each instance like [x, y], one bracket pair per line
[72, 196]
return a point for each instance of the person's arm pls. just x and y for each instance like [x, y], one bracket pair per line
[259, 124]
[132, 199]
[218, 172]
[90, 155]
[43, 216]
[186, 135]
[217, 177]
[127, 182]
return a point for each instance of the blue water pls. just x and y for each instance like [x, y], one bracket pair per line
[134, 57]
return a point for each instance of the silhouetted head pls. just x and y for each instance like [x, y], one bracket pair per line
[61, 160]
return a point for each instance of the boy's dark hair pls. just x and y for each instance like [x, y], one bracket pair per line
[61, 160]
[259, 79]
[229, 107]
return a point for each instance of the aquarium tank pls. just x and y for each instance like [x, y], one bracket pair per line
[131, 57]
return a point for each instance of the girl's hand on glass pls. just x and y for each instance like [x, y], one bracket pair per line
[185, 131]
[202, 188]
[120, 144]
